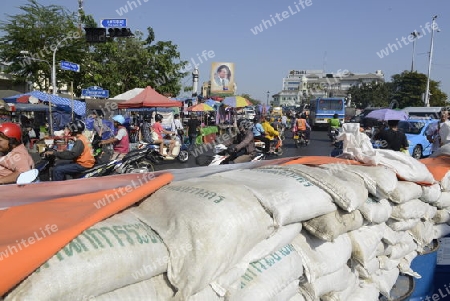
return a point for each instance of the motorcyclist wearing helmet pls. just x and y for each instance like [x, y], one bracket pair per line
[15, 159]
[121, 142]
[81, 155]
[334, 122]
[159, 130]
[303, 126]
[242, 148]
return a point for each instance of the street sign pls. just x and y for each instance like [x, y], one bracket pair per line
[113, 22]
[95, 91]
[65, 65]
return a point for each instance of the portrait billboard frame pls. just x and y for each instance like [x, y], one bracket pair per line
[222, 85]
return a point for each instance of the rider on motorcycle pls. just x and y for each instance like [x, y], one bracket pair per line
[159, 130]
[121, 141]
[260, 134]
[242, 148]
[333, 125]
[15, 159]
[303, 127]
[271, 133]
[80, 156]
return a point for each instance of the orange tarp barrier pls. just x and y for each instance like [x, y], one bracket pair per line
[319, 160]
[31, 234]
[438, 166]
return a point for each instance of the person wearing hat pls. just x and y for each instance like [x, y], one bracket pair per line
[121, 141]
[15, 159]
[79, 158]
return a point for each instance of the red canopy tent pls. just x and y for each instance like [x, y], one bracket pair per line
[149, 98]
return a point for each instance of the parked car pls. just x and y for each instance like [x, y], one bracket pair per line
[415, 130]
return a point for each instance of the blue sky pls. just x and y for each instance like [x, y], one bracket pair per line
[316, 34]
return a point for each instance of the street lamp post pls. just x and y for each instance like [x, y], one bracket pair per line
[268, 93]
[415, 34]
[427, 90]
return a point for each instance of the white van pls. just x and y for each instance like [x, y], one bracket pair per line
[433, 112]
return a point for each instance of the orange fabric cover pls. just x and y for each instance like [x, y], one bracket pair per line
[71, 215]
[438, 166]
[318, 160]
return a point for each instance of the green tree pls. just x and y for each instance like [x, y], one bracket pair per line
[409, 87]
[371, 95]
[118, 65]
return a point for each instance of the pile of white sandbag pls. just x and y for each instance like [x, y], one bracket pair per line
[295, 232]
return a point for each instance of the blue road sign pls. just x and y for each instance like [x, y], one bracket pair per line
[113, 22]
[95, 91]
[65, 65]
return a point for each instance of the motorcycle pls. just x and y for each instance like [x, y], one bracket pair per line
[275, 146]
[179, 152]
[333, 134]
[136, 161]
[300, 139]
[221, 154]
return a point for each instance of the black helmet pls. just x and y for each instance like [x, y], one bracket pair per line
[148, 118]
[244, 124]
[76, 127]
[158, 117]
[335, 115]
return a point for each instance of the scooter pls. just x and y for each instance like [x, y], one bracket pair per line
[275, 146]
[221, 154]
[179, 152]
[333, 134]
[300, 139]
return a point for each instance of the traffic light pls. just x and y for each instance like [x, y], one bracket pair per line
[120, 32]
[95, 35]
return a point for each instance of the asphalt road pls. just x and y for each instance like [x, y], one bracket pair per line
[320, 145]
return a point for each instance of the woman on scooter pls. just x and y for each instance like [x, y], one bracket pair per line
[121, 141]
[159, 130]
[15, 159]
[80, 157]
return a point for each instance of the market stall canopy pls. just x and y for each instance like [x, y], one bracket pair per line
[236, 102]
[79, 107]
[149, 98]
[129, 94]
[201, 107]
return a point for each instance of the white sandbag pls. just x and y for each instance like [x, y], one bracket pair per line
[431, 194]
[268, 277]
[412, 209]
[284, 193]
[364, 271]
[344, 295]
[405, 191]
[402, 225]
[281, 237]
[213, 216]
[405, 166]
[443, 201]
[384, 280]
[380, 181]
[346, 188]
[334, 282]
[392, 237]
[402, 248]
[441, 216]
[364, 242]
[206, 294]
[357, 145]
[288, 292]
[376, 211]
[113, 253]
[297, 297]
[441, 230]
[405, 265]
[322, 257]
[155, 289]
[422, 234]
[445, 181]
[364, 292]
[386, 263]
[329, 226]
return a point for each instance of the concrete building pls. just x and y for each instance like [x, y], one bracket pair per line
[301, 85]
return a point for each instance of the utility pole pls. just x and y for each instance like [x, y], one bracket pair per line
[427, 90]
[415, 34]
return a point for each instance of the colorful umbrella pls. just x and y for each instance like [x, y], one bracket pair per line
[201, 107]
[236, 102]
[388, 114]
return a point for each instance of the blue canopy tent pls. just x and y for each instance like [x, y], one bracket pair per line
[79, 107]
